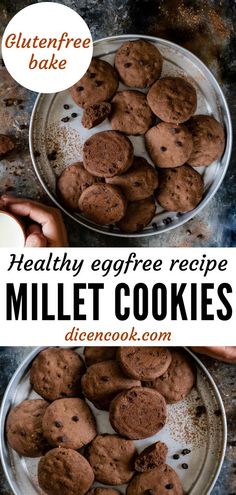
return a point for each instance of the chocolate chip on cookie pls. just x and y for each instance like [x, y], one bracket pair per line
[103, 381]
[208, 140]
[139, 63]
[98, 84]
[169, 145]
[112, 459]
[172, 99]
[138, 413]
[180, 188]
[162, 480]
[142, 363]
[56, 373]
[139, 182]
[130, 113]
[64, 472]
[24, 428]
[69, 423]
[107, 153]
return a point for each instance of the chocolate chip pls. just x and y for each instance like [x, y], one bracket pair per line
[23, 433]
[105, 378]
[98, 83]
[127, 65]
[74, 115]
[79, 88]
[141, 62]
[154, 226]
[52, 156]
[23, 126]
[75, 418]
[200, 410]
[61, 439]
[186, 452]
[176, 456]
[58, 424]
[174, 130]
[8, 102]
[217, 412]
[169, 486]
[65, 119]
[167, 220]
[91, 75]
[185, 466]
[163, 148]
[209, 135]
[66, 107]
[37, 154]
[149, 492]
[179, 143]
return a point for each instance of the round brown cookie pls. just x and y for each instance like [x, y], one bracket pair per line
[64, 472]
[112, 459]
[98, 84]
[7, 145]
[72, 182]
[138, 215]
[95, 355]
[95, 114]
[151, 457]
[208, 140]
[169, 145]
[144, 363]
[172, 99]
[136, 414]
[103, 491]
[24, 428]
[69, 423]
[130, 113]
[139, 182]
[176, 383]
[103, 204]
[139, 63]
[107, 153]
[56, 373]
[103, 381]
[162, 480]
[180, 189]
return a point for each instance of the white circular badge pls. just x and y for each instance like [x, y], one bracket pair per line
[47, 47]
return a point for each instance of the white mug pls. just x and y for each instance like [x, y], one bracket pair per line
[12, 234]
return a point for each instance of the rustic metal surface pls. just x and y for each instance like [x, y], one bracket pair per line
[205, 27]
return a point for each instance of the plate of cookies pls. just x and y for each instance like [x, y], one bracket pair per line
[140, 144]
[112, 421]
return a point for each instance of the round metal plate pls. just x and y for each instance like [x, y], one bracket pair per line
[49, 133]
[205, 435]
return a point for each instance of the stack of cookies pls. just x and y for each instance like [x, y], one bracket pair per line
[133, 384]
[111, 185]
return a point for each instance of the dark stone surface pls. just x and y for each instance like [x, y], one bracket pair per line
[225, 378]
[205, 27]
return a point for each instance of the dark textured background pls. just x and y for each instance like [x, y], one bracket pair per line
[208, 29]
[205, 27]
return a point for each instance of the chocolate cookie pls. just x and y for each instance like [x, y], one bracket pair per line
[137, 413]
[138, 215]
[69, 423]
[172, 99]
[169, 145]
[24, 428]
[144, 363]
[103, 491]
[130, 113]
[72, 182]
[180, 189]
[95, 355]
[162, 480]
[139, 63]
[112, 459]
[7, 145]
[107, 153]
[95, 114]
[151, 457]
[103, 381]
[98, 84]
[56, 373]
[208, 140]
[176, 383]
[139, 182]
[64, 472]
[103, 204]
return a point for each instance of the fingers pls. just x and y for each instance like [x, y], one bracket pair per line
[49, 218]
[226, 354]
[35, 237]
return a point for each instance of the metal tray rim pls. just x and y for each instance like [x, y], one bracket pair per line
[26, 362]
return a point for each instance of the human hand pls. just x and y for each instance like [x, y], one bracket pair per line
[47, 228]
[226, 354]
